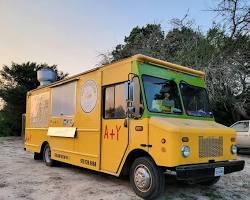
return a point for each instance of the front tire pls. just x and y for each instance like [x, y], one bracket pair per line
[47, 156]
[147, 179]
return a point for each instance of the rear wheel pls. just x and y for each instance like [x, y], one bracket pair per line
[47, 156]
[209, 181]
[147, 179]
[38, 156]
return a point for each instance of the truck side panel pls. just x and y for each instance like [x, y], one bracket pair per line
[87, 140]
[36, 125]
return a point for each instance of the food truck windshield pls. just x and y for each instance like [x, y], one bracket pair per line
[162, 96]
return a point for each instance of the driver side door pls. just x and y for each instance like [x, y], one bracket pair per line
[114, 141]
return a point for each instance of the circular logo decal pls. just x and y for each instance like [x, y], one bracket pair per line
[88, 96]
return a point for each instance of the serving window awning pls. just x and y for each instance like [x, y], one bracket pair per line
[62, 131]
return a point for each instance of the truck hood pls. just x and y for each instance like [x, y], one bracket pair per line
[178, 125]
[207, 140]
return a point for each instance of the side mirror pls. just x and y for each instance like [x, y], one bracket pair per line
[133, 97]
[126, 90]
[129, 91]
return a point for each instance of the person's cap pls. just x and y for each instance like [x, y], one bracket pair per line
[164, 90]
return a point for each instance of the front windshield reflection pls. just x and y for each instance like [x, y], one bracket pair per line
[162, 95]
[195, 100]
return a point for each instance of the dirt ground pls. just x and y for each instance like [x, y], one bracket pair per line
[21, 177]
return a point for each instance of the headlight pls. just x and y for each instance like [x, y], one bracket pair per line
[185, 151]
[233, 149]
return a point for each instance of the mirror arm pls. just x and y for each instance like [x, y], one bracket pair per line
[125, 122]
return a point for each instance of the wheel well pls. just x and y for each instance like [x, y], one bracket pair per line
[42, 147]
[130, 159]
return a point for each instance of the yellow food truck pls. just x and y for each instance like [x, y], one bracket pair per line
[140, 117]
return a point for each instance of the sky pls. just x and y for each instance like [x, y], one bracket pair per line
[72, 33]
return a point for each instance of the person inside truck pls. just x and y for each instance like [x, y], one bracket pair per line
[163, 102]
[162, 95]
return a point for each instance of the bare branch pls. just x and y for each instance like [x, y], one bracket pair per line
[236, 16]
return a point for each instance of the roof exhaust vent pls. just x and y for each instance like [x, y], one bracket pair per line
[46, 76]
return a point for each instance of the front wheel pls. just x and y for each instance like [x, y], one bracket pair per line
[146, 178]
[47, 156]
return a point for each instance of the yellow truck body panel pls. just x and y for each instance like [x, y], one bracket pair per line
[85, 138]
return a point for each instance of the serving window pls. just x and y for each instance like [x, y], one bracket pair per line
[39, 110]
[63, 100]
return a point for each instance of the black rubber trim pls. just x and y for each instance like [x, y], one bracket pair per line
[146, 145]
[192, 172]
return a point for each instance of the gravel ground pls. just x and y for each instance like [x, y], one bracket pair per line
[21, 177]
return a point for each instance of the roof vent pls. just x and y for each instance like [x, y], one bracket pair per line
[46, 76]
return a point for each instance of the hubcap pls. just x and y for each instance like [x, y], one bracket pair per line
[47, 155]
[142, 178]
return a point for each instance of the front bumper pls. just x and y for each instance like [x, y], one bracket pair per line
[200, 171]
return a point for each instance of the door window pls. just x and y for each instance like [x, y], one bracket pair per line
[115, 105]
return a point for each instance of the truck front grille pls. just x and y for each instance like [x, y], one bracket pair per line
[210, 146]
